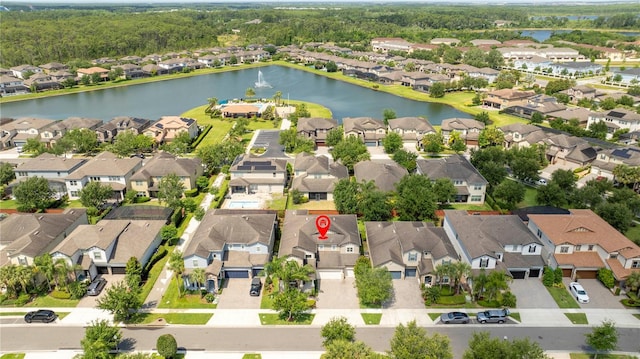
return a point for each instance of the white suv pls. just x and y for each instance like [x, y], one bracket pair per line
[578, 292]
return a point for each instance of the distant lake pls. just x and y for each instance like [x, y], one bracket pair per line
[543, 35]
[173, 97]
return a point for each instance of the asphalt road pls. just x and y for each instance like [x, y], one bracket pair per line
[197, 338]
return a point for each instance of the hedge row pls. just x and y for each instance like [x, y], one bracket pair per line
[202, 135]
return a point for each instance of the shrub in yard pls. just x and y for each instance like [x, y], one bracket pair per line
[606, 277]
[432, 294]
[508, 300]
[214, 190]
[191, 192]
[77, 289]
[209, 297]
[548, 277]
[142, 199]
[22, 300]
[59, 294]
[199, 213]
[558, 275]
[167, 346]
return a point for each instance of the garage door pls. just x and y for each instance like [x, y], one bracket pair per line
[236, 274]
[256, 271]
[586, 274]
[534, 273]
[103, 270]
[566, 272]
[396, 274]
[518, 274]
[118, 270]
[330, 274]
[410, 272]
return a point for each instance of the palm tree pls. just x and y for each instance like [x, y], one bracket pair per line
[62, 271]
[198, 276]
[293, 271]
[250, 92]
[633, 281]
[24, 277]
[497, 281]
[445, 270]
[479, 283]
[176, 264]
[9, 279]
[460, 270]
[277, 97]
[44, 265]
[274, 267]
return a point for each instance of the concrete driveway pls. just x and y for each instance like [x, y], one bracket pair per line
[235, 295]
[269, 139]
[599, 296]
[531, 293]
[337, 294]
[90, 301]
[406, 295]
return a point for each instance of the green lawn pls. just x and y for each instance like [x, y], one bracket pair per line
[12, 356]
[315, 110]
[154, 273]
[562, 297]
[51, 302]
[8, 204]
[515, 316]
[274, 319]
[171, 299]
[252, 356]
[577, 318]
[371, 318]
[634, 234]
[637, 316]
[279, 202]
[529, 197]
[177, 318]
[435, 316]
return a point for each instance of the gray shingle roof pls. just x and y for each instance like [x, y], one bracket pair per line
[315, 123]
[106, 164]
[419, 124]
[384, 174]
[50, 163]
[361, 124]
[165, 163]
[455, 167]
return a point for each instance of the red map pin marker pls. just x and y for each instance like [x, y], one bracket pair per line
[322, 224]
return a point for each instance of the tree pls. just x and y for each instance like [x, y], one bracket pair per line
[444, 190]
[345, 196]
[460, 270]
[618, 215]
[342, 349]
[405, 159]
[490, 136]
[176, 265]
[6, 173]
[277, 97]
[392, 142]
[350, 151]
[33, 145]
[415, 198]
[456, 142]
[338, 328]
[170, 190]
[437, 90]
[250, 92]
[374, 205]
[627, 175]
[411, 341]
[295, 143]
[511, 192]
[167, 346]
[388, 114]
[180, 145]
[120, 300]
[44, 266]
[198, 276]
[168, 232]
[565, 179]
[482, 346]
[33, 194]
[95, 194]
[482, 117]
[633, 282]
[497, 281]
[291, 304]
[220, 154]
[524, 168]
[96, 78]
[374, 286]
[433, 143]
[127, 143]
[537, 117]
[99, 339]
[551, 195]
[603, 338]
[334, 136]
[133, 273]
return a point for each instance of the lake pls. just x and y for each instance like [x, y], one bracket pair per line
[173, 97]
[543, 35]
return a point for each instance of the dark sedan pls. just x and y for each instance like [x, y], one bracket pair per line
[454, 318]
[42, 315]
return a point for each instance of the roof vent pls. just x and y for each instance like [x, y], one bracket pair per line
[101, 228]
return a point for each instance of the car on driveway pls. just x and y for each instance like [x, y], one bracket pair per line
[578, 292]
[96, 286]
[256, 286]
[42, 315]
[454, 318]
[493, 316]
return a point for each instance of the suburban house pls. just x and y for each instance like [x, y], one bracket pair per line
[51, 134]
[316, 128]
[17, 132]
[561, 148]
[29, 235]
[10, 85]
[577, 93]
[106, 168]
[108, 131]
[371, 131]
[469, 183]
[21, 70]
[412, 129]
[495, 243]
[334, 257]
[55, 169]
[581, 242]
[145, 181]
[409, 249]
[501, 99]
[42, 82]
[569, 114]
[616, 119]
[608, 159]
[230, 244]
[468, 128]
[169, 127]
[542, 104]
[257, 175]
[238, 110]
[515, 134]
[105, 248]
[103, 73]
[315, 177]
[385, 174]
[628, 76]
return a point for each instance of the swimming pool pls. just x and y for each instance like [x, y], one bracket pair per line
[244, 205]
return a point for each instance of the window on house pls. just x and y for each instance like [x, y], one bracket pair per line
[73, 183]
[484, 262]
[413, 256]
[274, 174]
[578, 248]
[590, 247]
[114, 178]
[476, 198]
[349, 249]
[74, 193]
[97, 255]
[499, 255]
[334, 247]
[635, 264]
[22, 174]
[477, 187]
[194, 263]
[457, 183]
[138, 183]
[613, 255]
[564, 249]
[320, 247]
[308, 256]
[22, 261]
[532, 249]
[539, 233]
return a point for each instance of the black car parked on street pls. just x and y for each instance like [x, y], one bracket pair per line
[42, 315]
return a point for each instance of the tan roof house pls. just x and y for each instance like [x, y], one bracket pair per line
[334, 257]
[385, 174]
[105, 248]
[409, 250]
[54, 168]
[109, 130]
[145, 181]
[368, 129]
[104, 73]
[257, 175]
[169, 127]
[468, 128]
[316, 128]
[468, 181]
[315, 177]
[230, 244]
[16, 133]
[501, 99]
[29, 235]
[412, 129]
[581, 243]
